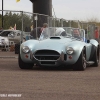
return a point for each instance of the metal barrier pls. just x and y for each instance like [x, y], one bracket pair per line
[25, 21]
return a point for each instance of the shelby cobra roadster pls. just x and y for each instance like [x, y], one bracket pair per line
[60, 47]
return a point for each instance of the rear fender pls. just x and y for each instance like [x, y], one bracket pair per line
[94, 42]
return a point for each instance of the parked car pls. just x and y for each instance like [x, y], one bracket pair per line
[14, 35]
[60, 50]
[4, 42]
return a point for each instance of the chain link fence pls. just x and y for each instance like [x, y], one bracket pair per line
[26, 22]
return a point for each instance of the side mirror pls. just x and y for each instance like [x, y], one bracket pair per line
[88, 41]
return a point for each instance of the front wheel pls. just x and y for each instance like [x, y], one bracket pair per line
[24, 65]
[81, 63]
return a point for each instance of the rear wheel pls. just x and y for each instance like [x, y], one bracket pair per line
[81, 63]
[24, 65]
[96, 58]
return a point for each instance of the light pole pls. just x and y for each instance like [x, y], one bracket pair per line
[2, 13]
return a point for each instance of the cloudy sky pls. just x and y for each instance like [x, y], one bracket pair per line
[67, 9]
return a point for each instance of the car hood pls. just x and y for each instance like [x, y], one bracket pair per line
[53, 44]
[3, 38]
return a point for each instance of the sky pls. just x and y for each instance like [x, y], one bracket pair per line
[66, 9]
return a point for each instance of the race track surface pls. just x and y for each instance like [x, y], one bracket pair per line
[47, 83]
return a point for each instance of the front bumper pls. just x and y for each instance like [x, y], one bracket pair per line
[48, 59]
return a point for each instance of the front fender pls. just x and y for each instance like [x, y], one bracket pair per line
[27, 57]
[78, 47]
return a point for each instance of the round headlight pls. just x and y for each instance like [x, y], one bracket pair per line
[25, 49]
[70, 50]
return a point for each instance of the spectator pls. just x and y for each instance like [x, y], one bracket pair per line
[11, 28]
[37, 32]
[96, 34]
[43, 31]
[45, 25]
[31, 27]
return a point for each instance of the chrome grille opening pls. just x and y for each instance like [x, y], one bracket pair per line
[47, 55]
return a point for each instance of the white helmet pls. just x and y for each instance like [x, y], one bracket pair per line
[60, 32]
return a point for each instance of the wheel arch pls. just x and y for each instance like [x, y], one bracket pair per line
[92, 52]
[79, 64]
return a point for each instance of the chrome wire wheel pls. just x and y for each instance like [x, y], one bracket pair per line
[84, 61]
[81, 62]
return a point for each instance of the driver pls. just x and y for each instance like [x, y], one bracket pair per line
[76, 33]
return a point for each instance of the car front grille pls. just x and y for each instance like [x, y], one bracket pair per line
[46, 55]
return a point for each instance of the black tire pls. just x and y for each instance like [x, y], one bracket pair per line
[81, 63]
[24, 65]
[17, 48]
[96, 58]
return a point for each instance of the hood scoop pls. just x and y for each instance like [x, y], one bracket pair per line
[55, 37]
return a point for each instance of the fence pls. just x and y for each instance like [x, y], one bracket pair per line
[25, 21]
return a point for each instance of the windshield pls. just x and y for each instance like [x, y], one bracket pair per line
[8, 32]
[62, 31]
[5, 33]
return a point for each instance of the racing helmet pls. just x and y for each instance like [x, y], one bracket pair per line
[60, 32]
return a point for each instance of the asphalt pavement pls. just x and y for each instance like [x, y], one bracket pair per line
[42, 83]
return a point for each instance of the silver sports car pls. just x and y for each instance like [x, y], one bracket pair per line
[60, 47]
